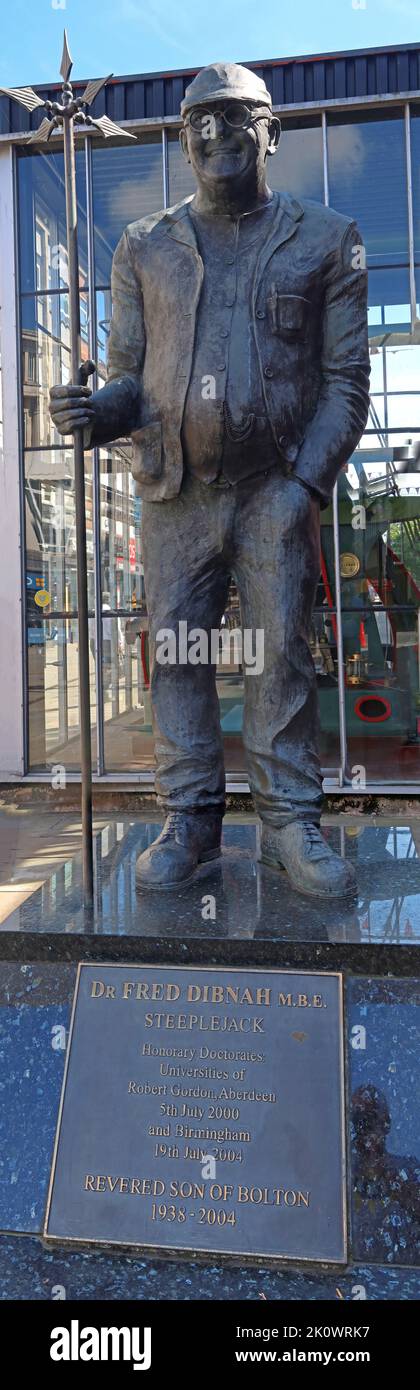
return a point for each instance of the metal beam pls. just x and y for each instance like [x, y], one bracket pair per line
[139, 125]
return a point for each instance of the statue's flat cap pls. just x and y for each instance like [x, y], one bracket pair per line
[225, 82]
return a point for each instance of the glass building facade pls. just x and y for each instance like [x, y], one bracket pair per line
[365, 162]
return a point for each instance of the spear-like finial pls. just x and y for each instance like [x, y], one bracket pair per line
[66, 59]
[62, 114]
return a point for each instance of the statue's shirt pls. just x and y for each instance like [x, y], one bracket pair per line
[225, 432]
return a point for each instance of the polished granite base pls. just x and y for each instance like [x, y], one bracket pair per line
[233, 902]
[236, 912]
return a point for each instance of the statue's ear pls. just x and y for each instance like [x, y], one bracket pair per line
[274, 133]
[184, 144]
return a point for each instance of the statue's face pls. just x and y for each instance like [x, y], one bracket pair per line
[220, 152]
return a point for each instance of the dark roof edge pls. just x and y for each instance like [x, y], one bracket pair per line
[248, 62]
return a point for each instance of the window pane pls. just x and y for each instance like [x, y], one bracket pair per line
[404, 411]
[127, 185]
[121, 566]
[415, 172]
[42, 220]
[45, 321]
[380, 595]
[389, 313]
[397, 407]
[126, 685]
[103, 321]
[51, 532]
[180, 175]
[367, 181]
[54, 733]
[128, 743]
[403, 367]
[297, 165]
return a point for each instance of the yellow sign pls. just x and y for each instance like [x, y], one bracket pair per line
[349, 565]
[42, 598]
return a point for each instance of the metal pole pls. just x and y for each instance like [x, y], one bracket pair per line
[79, 493]
[340, 655]
[96, 474]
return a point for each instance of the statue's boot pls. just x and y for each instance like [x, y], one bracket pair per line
[312, 866]
[187, 840]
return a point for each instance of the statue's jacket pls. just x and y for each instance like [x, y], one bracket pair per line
[309, 317]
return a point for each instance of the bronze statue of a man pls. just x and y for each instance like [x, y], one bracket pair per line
[238, 362]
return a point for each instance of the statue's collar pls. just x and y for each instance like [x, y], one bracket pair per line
[179, 225]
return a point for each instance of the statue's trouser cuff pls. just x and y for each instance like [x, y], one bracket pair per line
[266, 534]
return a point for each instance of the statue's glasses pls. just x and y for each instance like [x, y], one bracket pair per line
[236, 116]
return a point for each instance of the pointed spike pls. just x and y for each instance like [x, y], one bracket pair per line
[66, 59]
[24, 95]
[93, 87]
[43, 133]
[109, 128]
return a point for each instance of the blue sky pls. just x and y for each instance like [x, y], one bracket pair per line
[130, 36]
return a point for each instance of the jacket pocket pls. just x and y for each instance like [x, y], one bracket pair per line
[288, 314]
[147, 453]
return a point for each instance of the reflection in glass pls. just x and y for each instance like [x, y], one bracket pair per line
[42, 220]
[103, 318]
[389, 314]
[367, 181]
[51, 530]
[380, 596]
[127, 185]
[121, 561]
[180, 175]
[126, 684]
[395, 395]
[46, 359]
[297, 165]
[53, 681]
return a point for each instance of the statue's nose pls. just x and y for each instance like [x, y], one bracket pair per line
[219, 124]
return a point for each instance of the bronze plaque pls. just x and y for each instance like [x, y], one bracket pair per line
[203, 1111]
